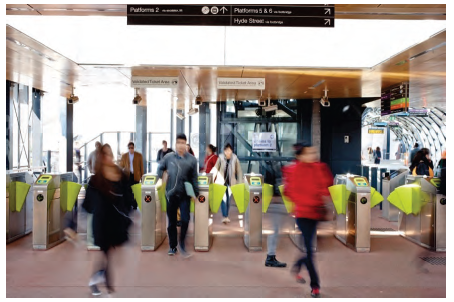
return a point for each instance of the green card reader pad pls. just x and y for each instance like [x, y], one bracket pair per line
[360, 182]
[256, 181]
[44, 179]
[150, 180]
[203, 180]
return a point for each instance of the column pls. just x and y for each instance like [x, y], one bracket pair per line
[36, 130]
[204, 131]
[140, 143]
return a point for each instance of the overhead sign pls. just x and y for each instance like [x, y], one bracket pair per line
[395, 99]
[418, 112]
[241, 83]
[264, 142]
[376, 131]
[307, 15]
[393, 124]
[154, 82]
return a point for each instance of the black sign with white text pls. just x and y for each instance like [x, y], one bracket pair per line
[307, 15]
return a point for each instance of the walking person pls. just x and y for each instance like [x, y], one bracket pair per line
[413, 152]
[228, 167]
[163, 152]
[181, 167]
[422, 164]
[92, 158]
[306, 181]
[210, 159]
[377, 156]
[189, 149]
[108, 199]
[371, 154]
[132, 163]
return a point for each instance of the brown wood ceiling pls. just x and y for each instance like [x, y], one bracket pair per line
[343, 11]
[34, 64]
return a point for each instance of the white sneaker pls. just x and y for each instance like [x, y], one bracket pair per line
[97, 278]
[224, 220]
[227, 219]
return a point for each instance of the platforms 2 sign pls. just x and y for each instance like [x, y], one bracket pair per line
[305, 15]
[264, 142]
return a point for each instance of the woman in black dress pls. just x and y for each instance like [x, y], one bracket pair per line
[109, 198]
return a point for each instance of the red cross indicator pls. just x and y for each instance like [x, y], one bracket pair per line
[201, 199]
[256, 199]
[147, 198]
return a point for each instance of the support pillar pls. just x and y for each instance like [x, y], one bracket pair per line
[204, 131]
[140, 143]
[36, 144]
[9, 127]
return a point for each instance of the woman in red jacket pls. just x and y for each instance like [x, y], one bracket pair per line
[210, 159]
[306, 181]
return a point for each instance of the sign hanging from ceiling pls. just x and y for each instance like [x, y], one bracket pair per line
[305, 15]
[376, 131]
[241, 83]
[264, 142]
[154, 82]
[395, 99]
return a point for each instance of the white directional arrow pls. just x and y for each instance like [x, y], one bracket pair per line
[327, 11]
[223, 10]
[327, 21]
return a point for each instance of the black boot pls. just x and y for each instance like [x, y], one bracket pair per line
[272, 261]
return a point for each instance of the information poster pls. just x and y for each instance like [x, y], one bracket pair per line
[264, 142]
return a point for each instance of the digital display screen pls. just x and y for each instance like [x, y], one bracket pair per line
[45, 177]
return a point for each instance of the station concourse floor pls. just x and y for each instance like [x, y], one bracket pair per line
[228, 270]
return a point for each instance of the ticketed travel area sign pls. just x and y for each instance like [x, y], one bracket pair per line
[305, 15]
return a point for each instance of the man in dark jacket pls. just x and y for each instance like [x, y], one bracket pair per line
[181, 167]
[413, 152]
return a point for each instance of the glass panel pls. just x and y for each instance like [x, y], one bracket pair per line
[156, 145]
[15, 124]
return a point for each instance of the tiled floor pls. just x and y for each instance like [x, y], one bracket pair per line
[228, 270]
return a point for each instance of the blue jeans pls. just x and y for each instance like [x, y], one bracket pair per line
[225, 205]
[308, 228]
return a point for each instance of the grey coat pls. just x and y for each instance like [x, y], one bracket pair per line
[235, 172]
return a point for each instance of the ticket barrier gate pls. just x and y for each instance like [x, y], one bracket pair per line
[253, 214]
[54, 199]
[154, 218]
[203, 228]
[426, 226]
[389, 184]
[352, 219]
[19, 205]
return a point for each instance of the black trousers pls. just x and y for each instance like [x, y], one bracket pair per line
[131, 183]
[183, 203]
[308, 228]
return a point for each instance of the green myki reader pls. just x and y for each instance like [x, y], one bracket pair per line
[19, 205]
[203, 228]
[253, 215]
[54, 197]
[153, 212]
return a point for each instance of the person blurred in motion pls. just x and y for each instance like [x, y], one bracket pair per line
[229, 169]
[92, 158]
[78, 161]
[189, 149]
[377, 156]
[210, 159]
[413, 152]
[306, 181]
[109, 198]
[277, 213]
[422, 164]
[181, 167]
[371, 153]
[132, 163]
[163, 152]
